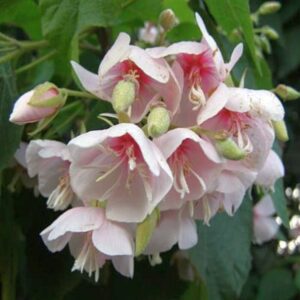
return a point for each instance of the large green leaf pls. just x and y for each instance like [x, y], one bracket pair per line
[23, 13]
[232, 15]
[10, 134]
[222, 255]
[277, 285]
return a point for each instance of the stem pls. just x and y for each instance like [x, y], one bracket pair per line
[78, 94]
[35, 62]
[8, 285]
[9, 56]
[30, 45]
[8, 39]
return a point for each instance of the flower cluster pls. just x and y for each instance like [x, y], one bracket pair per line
[187, 146]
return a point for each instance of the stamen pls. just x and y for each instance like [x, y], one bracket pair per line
[197, 96]
[87, 260]
[62, 196]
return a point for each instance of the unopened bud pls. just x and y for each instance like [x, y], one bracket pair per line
[269, 7]
[47, 95]
[280, 130]
[144, 232]
[287, 93]
[123, 95]
[168, 20]
[158, 121]
[229, 149]
[270, 33]
[40, 104]
[265, 44]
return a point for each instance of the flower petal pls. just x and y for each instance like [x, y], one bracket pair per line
[113, 239]
[118, 51]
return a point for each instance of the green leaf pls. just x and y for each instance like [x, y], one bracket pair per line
[277, 285]
[10, 134]
[23, 13]
[232, 15]
[196, 291]
[279, 201]
[222, 255]
[278, 196]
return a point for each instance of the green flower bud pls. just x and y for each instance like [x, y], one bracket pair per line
[280, 130]
[229, 149]
[265, 44]
[270, 33]
[269, 7]
[168, 20]
[123, 95]
[158, 121]
[287, 93]
[47, 95]
[144, 231]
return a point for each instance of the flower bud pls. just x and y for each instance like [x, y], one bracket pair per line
[286, 92]
[168, 20]
[280, 130]
[123, 95]
[144, 231]
[47, 95]
[270, 33]
[269, 7]
[158, 121]
[37, 104]
[229, 149]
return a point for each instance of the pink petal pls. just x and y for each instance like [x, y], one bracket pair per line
[215, 103]
[24, 113]
[154, 68]
[124, 265]
[177, 48]
[235, 56]
[113, 239]
[89, 80]
[265, 207]
[265, 228]
[272, 170]
[78, 219]
[118, 51]
[165, 235]
[188, 236]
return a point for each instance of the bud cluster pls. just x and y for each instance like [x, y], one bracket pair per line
[187, 146]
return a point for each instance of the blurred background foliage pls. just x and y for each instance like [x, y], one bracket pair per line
[225, 264]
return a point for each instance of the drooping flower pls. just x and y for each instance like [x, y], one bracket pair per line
[92, 239]
[50, 161]
[153, 79]
[121, 166]
[246, 118]
[32, 106]
[149, 33]
[272, 170]
[201, 69]
[194, 164]
[175, 226]
[227, 193]
[264, 225]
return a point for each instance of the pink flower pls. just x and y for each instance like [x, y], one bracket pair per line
[50, 161]
[227, 193]
[175, 226]
[272, 170]
[264, 225]
[149, 33]
[24, 113]
[200, 69]
[194, 164]
[92, 239]
[153, 78]
[121, 166]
